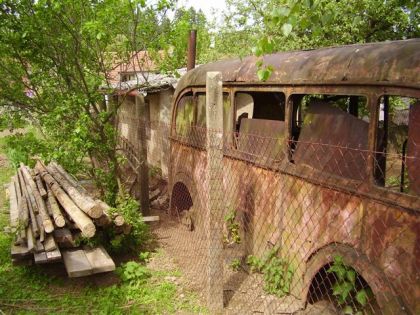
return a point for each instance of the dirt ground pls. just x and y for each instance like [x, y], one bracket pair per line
[243, 291]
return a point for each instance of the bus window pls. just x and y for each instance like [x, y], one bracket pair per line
[330, 134]
[260, 126]
[184, 115]
[201, 110]
[398, 144]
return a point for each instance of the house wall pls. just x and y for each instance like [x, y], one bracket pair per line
[158, 112]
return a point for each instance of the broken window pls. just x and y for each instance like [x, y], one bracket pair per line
[398, 144]
[330, 134]
[260, 126]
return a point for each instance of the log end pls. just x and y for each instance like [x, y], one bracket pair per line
[119, 220]
[89, 230]
[96, 211]
[48, 226]
[59, 221]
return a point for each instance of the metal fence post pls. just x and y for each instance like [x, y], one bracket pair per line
[143, 168]
[214, 179]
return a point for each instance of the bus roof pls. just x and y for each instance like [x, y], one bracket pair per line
[386, 63]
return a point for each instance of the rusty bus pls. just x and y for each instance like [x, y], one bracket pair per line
[326, 152]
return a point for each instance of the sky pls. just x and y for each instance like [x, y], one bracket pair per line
[205, 5]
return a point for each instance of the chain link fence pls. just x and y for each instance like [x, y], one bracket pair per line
[276, 226]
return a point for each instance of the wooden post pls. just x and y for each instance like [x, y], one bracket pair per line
[214, 180]
[142, 168]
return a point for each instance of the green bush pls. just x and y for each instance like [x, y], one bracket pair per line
[21, 148]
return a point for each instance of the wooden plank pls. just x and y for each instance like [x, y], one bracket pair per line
[49, 243]
[20, 251]
[154, 218]
[40, 258]
[39, 248]
[22, 262]
[76, 263]
[14, 211]
[99, 259]
[54, 255]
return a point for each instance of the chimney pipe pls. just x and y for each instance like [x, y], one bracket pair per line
[192, 42]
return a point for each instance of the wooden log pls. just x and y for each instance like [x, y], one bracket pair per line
[41, 228]
[82, 221]
[55, 209]
[69, 178]
[116, 218]
[64, 238]
[40, 186]
[23, 206]
[46, 221]
[14, 211]
[30, 238]
[29, 195]
[84, 202]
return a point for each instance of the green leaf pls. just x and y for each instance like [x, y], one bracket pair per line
[351, 276]
[361, 297]
[348, 310]
[286, 29]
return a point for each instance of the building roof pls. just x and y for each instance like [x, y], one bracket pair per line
[149, 82]
[139, 61]
[391, 63]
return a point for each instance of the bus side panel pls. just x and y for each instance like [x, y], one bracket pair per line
[392, 242]
[315, 217]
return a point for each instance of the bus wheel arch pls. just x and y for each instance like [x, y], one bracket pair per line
[385, 294]
[184, 195]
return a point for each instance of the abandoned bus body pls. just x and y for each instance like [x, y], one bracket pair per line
[321, 160]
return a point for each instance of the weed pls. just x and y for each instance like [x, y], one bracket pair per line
[132, 271]
[347, 294]
[235, 264]
[144, 257]
[232, 236]
[278, 273]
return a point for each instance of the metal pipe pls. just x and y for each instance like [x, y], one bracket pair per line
[192, 44]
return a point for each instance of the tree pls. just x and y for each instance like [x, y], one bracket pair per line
[290, 24]
[54, 58]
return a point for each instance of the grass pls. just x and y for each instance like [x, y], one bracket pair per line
[37, 290]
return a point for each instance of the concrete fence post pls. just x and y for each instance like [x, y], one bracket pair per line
[214, 180]
[142, 168]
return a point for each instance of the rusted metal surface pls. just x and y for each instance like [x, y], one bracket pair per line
[389, 63]
[256, 135]
[320, 200]
[192, 44]
[413, 148]
[341, 138]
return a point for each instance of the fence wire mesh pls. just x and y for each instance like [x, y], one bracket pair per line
[302, 227]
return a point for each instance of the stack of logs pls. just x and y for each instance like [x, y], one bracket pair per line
[49, 209]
